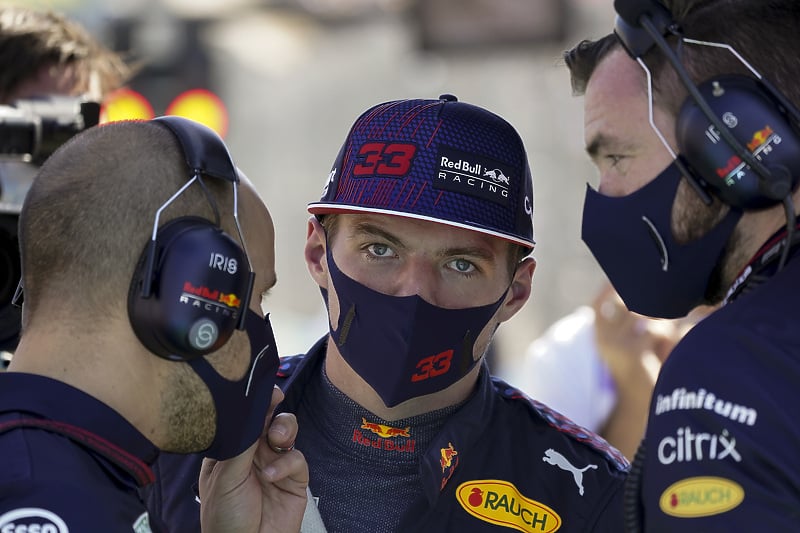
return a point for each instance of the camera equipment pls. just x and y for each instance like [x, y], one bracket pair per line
[30, 130]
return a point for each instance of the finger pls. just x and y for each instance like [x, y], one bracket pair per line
[277, 397]
[282, 433]
[275, 400]
[289, 466]
[606, 293]
[207, 467]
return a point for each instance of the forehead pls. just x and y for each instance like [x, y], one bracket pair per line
[617, 89]
[618, 74]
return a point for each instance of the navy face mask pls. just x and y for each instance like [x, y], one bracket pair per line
[631, 238]
[242, 405]
[403, 346]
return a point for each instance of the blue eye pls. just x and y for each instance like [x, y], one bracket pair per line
[379, 250]
[462, 266]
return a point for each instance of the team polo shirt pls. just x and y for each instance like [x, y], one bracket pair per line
[723, 441]
[68, 462]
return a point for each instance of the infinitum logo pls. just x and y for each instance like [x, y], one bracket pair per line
[684, 400]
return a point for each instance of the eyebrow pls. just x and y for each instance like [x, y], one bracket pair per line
[480, 252]
[367, 228]
[594, 146]
[603, 141]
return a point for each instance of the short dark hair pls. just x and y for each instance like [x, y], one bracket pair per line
[584, 57]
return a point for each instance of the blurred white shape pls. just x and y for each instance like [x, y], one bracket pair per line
[272, 42]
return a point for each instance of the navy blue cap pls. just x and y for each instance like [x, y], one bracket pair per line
[439, 160]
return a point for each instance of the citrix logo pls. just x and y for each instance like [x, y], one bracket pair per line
[688, 446]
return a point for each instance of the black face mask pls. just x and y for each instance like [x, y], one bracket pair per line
[242, 405]
[403, 346]
[631, 238]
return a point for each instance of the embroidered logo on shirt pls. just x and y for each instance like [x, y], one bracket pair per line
[687, 446]
[32, 519]
[447, 456]
[701, 496]
[554, 458]
[449, 462]
[500, 503]
[384, 435]
[385, 431]
[682, 399]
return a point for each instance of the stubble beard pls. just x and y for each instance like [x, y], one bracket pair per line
[188, 412]
[692, 219]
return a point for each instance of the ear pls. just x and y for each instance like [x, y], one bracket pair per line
[314, 252]
[519, 291]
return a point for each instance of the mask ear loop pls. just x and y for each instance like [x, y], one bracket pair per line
[251, 275]
[19, 295]
[679, 162]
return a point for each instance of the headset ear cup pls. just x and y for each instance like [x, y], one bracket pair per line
[758, 124]
[199, 279]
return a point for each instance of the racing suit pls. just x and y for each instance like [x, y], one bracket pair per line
[501, 459]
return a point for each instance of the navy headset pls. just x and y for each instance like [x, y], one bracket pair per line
[737, 135]
[192, 285]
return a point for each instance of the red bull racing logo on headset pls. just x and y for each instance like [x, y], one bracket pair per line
[761, 144]
[210, 299]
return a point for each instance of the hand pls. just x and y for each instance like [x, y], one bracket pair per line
[631, 345]
[263, 489]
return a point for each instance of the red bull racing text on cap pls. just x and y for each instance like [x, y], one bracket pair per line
[439, 160]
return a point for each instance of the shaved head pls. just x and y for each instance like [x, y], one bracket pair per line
[90, 211]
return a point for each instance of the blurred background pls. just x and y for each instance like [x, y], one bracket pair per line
[286, 79]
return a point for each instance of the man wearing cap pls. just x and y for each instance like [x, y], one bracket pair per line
[420, 246]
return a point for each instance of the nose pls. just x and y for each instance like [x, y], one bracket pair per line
[417, 277]
[609, 186]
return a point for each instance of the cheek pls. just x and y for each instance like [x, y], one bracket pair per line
[691, 218]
